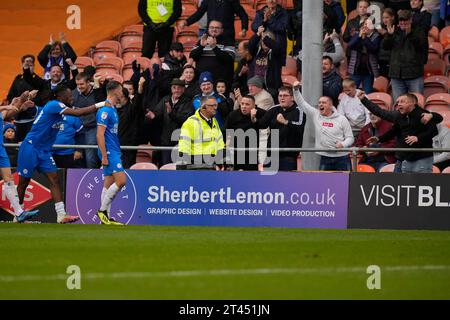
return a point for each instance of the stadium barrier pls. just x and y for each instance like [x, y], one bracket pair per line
[287, 199]
[399, 201]
[37, 196]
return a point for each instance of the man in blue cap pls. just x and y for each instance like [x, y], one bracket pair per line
[206, 82]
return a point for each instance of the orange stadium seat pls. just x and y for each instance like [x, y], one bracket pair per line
[115, 62]
[435, 50]
[381, 84]
[434, 67]
[109, 46]
[144, 155]
[291, 67]
[365, 168]
[136, 28]
[434, 33]
[446, 170]
[144, 166]
[384, 100]
[444, 36]
[82, 62]
[130, 57]
[439, 99]
[127, 73]
[388, 168]
[106, 72]
[169, 166]
[127, 39]
[189, 40]
[436, 108]
[115, 77]
[187, 9]
[420, 99]
[436, 84]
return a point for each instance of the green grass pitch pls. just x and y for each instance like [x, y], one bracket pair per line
[220, 263]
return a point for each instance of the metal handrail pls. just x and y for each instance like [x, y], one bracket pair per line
[354, 150]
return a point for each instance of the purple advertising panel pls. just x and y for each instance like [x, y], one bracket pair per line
[214, 198]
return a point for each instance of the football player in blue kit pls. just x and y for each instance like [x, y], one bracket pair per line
[109, 151]
[9, 189]
[35, 150]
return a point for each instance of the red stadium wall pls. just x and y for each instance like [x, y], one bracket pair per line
[25, 27]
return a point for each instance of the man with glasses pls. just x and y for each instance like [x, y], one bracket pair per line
[222, 11]
[289, 120]
[201, 143]
[211, 54]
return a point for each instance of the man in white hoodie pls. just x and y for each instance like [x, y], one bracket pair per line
[332, 131]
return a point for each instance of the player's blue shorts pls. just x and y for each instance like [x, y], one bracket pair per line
[4, 159]
[31, 159]
[115, 164]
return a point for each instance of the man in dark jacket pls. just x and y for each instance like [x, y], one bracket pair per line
[159, 17]
[407, 45]
[410, 131]
[248, 137]
[421, 18]
[175, 109]
[289, 120]
[241, 74]
[338, 11]
[273, 18]
[267, 60]
[171, 67]
[26, 81]
[223, 11]
[84, 96]
[129, 113]
[332, 81]
[213, 55]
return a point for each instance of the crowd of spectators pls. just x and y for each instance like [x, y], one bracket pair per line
[244, 78]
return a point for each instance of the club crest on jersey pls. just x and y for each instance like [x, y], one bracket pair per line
[104, 115]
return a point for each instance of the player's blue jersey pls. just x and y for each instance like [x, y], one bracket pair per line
[46, 126]
[69, 127]
[1, 126]
[108, 117]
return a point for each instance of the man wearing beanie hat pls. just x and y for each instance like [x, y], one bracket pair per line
[171, 67]
[175, 109]
[206, 82]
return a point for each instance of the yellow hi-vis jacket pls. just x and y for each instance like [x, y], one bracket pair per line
[198, 138]
[153, 13]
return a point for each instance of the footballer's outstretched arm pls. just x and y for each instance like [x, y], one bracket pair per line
[83, 111]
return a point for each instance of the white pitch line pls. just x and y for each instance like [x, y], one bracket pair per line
[224, 272]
